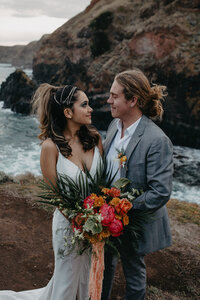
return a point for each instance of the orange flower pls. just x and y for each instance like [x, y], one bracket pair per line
[123, 207]
[114, 201]
[92, 239]
[125, 220]
[93, 196]
[104, 234]
[118, 217]
[113, 192]
[99, 201]
[78, 219]
[105, 191]
[123, 159]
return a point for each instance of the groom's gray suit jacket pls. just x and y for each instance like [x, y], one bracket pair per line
[150, 167]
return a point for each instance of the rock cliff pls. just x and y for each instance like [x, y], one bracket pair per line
[159, 37]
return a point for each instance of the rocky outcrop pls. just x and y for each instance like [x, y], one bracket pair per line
[159, 37]
[16, 92]
[20, 55]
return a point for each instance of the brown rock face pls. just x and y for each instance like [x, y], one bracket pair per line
[159, 37]
[161, 44]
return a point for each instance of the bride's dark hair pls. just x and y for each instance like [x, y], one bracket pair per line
[49, 102]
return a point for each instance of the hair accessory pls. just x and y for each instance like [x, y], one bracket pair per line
[54, 97]
[68, 99]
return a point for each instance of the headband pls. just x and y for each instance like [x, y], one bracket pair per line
[68, 99]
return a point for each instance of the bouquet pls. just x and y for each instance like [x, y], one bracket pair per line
[96, 212]
[101, 216]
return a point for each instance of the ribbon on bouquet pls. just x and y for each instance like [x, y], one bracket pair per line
[96, 271]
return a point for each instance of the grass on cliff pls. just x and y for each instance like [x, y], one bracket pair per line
[185, 212]
[27, 185]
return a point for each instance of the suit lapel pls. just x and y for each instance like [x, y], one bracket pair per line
[136, 137]
[109, 138]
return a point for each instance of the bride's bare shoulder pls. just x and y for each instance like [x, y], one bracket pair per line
[49, 145]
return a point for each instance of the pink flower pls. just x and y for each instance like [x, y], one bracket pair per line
[88, 202]
[108, 214]
[116, 227]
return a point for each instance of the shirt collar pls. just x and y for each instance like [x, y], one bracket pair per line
[130, 130]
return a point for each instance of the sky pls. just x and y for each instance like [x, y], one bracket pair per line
[24, 21]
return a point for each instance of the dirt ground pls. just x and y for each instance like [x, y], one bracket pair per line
[26, 255]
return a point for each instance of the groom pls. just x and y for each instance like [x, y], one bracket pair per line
[149, 167]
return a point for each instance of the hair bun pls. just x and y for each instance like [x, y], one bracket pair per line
[157, 92]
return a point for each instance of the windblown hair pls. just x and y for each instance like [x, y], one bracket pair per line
[135, 83]
[49, 103]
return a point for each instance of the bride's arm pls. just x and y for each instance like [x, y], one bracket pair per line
[48, 160]
[100, 146]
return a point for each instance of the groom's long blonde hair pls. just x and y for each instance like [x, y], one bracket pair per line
[135, 83]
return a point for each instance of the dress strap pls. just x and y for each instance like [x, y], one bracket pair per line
[57, 148]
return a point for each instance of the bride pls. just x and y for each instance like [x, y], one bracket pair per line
[68, 144]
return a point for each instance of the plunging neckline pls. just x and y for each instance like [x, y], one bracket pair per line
[78, 166]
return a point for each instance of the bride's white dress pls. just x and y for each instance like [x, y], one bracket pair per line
[71, 271]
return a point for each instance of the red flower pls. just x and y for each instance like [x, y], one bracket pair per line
[113, 192]
[107, 213]
[88, 202]
[75, 225]
[116, 227]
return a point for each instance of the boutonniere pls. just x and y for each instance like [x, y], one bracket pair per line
[121, 157]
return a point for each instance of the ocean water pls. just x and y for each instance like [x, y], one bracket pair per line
[20, 147]
[20, 151]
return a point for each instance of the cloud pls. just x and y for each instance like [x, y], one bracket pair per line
[23, 21]
[51, 8]
[15, 31]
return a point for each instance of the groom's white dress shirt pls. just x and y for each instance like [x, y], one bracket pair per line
[119, 143]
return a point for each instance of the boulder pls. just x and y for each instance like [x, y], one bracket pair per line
[16, 92]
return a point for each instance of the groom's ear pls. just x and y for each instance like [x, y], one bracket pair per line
[133, 101]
